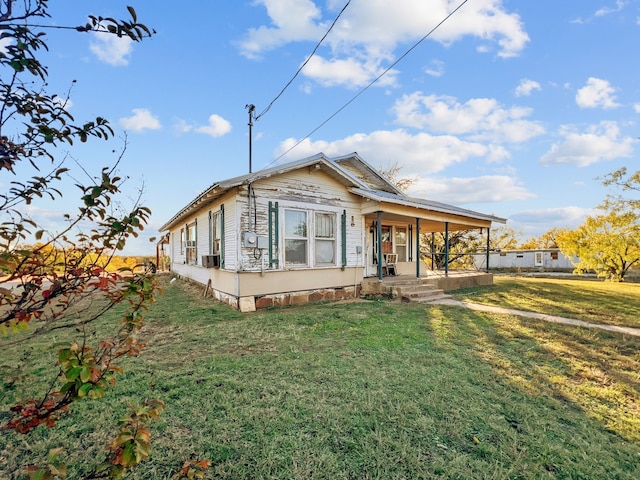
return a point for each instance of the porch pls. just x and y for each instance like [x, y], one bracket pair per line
[431, 284]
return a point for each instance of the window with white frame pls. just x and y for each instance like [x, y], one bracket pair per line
[309, 237]
[296, 239]
[325, 238]
[216, 233]
[191, 248]
[401, 243]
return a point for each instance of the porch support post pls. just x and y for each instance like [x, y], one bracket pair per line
[433, 250]
[446, 249]
[417, 247]
[379, 237]
[488, 237]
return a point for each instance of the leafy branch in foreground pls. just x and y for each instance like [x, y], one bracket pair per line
[61, 283]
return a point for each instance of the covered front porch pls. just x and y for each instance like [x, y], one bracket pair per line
[395, 240]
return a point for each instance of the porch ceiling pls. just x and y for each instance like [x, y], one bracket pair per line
[429, 221]
[433, 214]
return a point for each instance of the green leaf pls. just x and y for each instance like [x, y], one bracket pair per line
[73, 373]
[96, 392]
[84, 390]
[132, 12]
[128, 455]
[85, 374]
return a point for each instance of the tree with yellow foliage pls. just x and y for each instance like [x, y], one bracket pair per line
[608, 243]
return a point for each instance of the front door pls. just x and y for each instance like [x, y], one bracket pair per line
[372, 248]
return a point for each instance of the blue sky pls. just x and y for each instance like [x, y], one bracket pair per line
[510, 107]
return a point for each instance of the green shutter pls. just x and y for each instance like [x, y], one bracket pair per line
[221, 236]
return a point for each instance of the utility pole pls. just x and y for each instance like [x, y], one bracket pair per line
[251, 107]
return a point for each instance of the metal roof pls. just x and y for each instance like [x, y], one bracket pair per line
[352, 170]
[422, 203]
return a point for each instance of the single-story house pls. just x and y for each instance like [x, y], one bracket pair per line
[550, 259]
[307, 230]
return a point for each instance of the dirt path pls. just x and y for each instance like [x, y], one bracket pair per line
[540, 316]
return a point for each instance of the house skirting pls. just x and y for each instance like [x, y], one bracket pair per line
[248, 291]
[253, 303]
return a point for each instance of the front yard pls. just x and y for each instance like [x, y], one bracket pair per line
[370, 389]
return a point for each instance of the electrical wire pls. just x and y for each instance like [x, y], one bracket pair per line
[304, 64]
[364, 89]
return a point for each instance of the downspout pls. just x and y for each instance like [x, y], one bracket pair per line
[379, 236]
[446, 249]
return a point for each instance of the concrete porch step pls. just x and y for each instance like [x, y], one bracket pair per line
[427, 299]
[417, 291]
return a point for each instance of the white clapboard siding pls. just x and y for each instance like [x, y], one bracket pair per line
[230, 234]
[308, 189]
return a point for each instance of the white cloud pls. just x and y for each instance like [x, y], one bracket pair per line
[457, 191]
[600, 142]
[349, 72]
[293, 20]
[608, 10]
[374, 33]
[597, 93]
[111, 49]
[420, 156]
[534, 223]
[65, 103]
[435, 68]
[417, 154]
[141, 120]
[481, 118]
[4, 43]
[636, 107]
[181, 126]
[217, 127]
[527, 86]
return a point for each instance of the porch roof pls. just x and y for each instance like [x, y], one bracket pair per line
[435, 212]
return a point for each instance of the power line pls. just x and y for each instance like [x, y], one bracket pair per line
[398, 60]
[305, 62]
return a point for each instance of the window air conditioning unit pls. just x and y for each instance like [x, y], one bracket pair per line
[211, 261]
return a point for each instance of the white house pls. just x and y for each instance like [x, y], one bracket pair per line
[305, 231]
[550, 259]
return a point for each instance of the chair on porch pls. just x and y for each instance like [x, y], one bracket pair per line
[389, 263]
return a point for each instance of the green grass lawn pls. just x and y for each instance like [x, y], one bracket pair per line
[371, 389]
[591, 300]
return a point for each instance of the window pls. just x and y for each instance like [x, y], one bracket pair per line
[387, 244]
[309, 237]
[191, 244]
[295, 238]
[216, 233]
[325, 238]
[401, 243]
